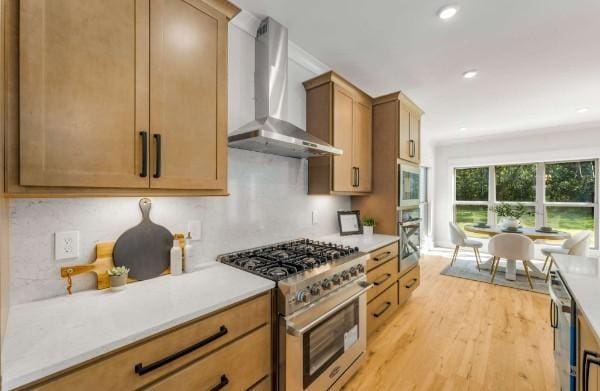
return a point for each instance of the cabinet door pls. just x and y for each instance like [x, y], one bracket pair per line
[415, 136]
[363, 146]
[342, 138]
[403, 132]
[188, 95]
[83, 92]
[587, 342]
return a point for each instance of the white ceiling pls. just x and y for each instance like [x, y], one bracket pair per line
[538, 60]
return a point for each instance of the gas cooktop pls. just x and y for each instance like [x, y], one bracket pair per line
[282, 260]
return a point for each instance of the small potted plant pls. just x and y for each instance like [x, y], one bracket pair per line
[510, 215]
[118, 277]
[368, 224]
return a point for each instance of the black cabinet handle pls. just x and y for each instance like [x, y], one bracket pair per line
[589, 358]
[380, 281]
[354, 177]
[388, 304]
[142, 370]
[223, 383]
[144, 172]
[411, 283]
[357, 176]
[411, 148]
[553, 315]
[157, 138]
[381, 256]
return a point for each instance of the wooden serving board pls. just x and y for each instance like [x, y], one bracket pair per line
[103, 263]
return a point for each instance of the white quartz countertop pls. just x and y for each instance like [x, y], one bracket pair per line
[582, 276]
[365, 243]
[47, 336]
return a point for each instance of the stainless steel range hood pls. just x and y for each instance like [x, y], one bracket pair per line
[269, 133]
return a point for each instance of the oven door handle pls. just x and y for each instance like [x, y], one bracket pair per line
[298, 331]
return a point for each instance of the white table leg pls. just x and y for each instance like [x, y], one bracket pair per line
[511, 273]
[511, 270]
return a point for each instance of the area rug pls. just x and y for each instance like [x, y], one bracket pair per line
[465, 267]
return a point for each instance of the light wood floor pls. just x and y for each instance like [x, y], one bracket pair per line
[457, 334]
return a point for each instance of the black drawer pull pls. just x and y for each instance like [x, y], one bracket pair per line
[142, 370]
[388, 304]
[411, 148]
[158, 140]
[380, 281]
[588, 359]
[223, 383]
[144, 171]
[411, 283]
[381, 256]
[357, 176]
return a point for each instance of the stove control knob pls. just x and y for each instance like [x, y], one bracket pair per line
[360, 268]
[315, 290]
[336, 279]
[326, 284]
[345, 275]
[301, 296]
[353, 271]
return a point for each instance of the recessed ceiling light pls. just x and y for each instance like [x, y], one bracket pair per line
[583, 110]
[462, 129]
[447, 12]
[471, 73]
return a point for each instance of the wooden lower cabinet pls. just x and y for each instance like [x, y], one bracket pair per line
[238, 346]
[587, 342]
[382, 308]
[382, 277]
[408, 283]
[237, 366]
[382, 255]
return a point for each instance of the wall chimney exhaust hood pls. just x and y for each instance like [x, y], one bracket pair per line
[269, 133]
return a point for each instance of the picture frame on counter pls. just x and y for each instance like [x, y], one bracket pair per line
[349, 222]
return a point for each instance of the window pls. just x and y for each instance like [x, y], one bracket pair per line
[472, 184]
[557, 194]
[515, 183]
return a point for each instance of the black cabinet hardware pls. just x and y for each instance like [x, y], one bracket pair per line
[142, 370]
[411, 148]
[158, 140]
[380, 281]
[388, 304]
[411, 283]
[223, 383]
[144, 171]
[589, 358]
[357, 176]
[381, 256]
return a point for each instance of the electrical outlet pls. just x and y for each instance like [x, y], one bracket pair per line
[195, 229]
[315, 217]
[66, 244]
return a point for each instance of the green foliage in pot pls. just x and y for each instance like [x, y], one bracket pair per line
[368, 222]
[118, 271]
[507, 210]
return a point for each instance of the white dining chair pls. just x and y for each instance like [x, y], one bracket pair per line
[459, 239]
[511, 246]
[575, 245]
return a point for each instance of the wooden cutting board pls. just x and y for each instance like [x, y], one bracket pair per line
[101, 266]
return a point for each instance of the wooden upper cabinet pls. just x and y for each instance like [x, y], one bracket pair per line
[340, 114]
[363, 146]
[81, 105]
[123, 94]
[188, 95]
[408, 122]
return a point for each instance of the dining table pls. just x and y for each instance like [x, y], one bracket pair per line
[510, 269]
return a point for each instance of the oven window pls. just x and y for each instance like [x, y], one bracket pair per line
[409, 186]
[327, 341]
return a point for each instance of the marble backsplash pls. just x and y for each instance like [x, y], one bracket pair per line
[268, 203]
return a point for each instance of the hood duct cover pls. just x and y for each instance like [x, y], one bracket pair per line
[269, 133]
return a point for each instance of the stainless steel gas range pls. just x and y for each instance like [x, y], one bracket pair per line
[320, 309]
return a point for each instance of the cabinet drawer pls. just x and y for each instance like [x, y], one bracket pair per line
[117, 371]
[237, 366]
[408, 283]
[381, 308]
[381, 255]
[382, 277]
[263, 385]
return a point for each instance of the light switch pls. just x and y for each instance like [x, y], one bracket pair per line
[66, 244]
[315, 217]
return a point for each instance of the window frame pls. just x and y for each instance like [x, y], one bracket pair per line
[540, 204]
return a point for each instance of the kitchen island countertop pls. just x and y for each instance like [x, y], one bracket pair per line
[582, 276]
[365, 243]
[48, 336]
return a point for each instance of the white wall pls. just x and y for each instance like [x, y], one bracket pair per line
[522, 147]
[268, 200]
